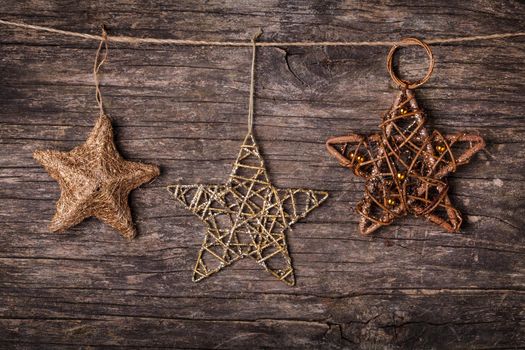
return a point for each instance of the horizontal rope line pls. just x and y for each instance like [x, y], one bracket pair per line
[137, 40]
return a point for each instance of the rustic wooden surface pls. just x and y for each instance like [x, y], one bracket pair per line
[184, 108]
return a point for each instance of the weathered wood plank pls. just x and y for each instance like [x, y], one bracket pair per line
[184, 108]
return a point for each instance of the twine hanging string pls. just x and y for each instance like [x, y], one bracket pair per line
[96, 67]
[252, 82]
[136, 40]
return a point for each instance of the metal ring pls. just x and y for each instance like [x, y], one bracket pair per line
[405, 83]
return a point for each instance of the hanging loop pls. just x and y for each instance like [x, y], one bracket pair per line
[96, 67]
[405, 84]
[252, 81]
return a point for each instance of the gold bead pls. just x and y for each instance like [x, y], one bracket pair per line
[391, 201]
[441, 148]
[359, 158]
[401, 176]
[403, 110]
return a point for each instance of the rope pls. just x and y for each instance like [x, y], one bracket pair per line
[96, 68]
[136, 40]
[252, 82]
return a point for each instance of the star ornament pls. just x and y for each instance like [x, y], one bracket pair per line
[95, 181]
[246, 217]
[404, 167]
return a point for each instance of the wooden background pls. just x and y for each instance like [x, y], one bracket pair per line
[409, 286]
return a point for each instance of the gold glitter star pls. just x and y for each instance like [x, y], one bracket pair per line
[404, 167]
[95, 181]
[246, 217]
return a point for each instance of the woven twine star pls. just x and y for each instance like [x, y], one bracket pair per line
[95, 181]
[404, 167]
[246, 217]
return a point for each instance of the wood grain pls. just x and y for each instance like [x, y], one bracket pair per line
[184, 108]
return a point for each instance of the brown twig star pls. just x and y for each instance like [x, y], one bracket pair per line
[404, 167]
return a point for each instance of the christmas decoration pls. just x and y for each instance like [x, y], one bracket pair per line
[404, 165]
[248, 216]
[94, 179]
